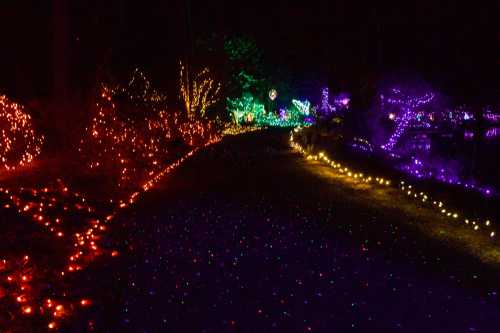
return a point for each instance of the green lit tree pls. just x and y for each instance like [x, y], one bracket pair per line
[246, 69]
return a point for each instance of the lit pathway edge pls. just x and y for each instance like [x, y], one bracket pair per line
[26, 287]
[479, 225]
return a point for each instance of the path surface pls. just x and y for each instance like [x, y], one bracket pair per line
[242, 238]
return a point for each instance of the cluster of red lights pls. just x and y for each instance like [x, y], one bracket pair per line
[21, 278]
[18, 277]
[19, 144]
[131, 145]
[132, 129]
[198, 132]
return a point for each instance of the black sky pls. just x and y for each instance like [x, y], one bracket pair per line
[453, 45]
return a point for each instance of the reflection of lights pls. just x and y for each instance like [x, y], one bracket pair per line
[362, 144]
[468, 135]
[493, 117]
[493, 133]
[392, 116]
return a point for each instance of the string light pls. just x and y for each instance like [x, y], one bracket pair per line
[232, 129]
[23, 282]
[130, 142]
[404, 186]
[408, 105]
[19, 143]
[198, 92]
[249, 110]
[132, 129]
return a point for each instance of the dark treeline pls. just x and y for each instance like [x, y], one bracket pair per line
[343, 43]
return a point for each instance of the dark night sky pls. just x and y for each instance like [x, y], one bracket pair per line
[344, 41]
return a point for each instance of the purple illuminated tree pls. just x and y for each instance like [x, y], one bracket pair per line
[409, 105]
[326, 108]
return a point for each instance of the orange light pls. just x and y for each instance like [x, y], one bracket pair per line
[84, 302]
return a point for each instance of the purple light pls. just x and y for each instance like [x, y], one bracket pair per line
[362, 145]
[490, 116]
[493, 133]
[433, 169]
[468, 135]
[342, 100]
[282, 113]
[325, 107]
[408, 105]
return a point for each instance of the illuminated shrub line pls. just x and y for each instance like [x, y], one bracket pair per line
[247, 110]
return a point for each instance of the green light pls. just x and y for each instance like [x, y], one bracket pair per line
[249, 110]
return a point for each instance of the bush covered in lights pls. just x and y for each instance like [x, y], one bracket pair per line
[247, 110]
[19, 143]
[133, 133]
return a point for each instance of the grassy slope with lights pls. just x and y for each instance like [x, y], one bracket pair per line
[467, 228]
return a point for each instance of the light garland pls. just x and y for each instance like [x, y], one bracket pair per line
[133, 143]
[19, 143]
[485, 225]
[132, 129]
[22, 278]
[19, 277]
[233, 129]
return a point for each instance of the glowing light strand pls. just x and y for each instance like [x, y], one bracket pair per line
[198, 93]
[476, 224]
